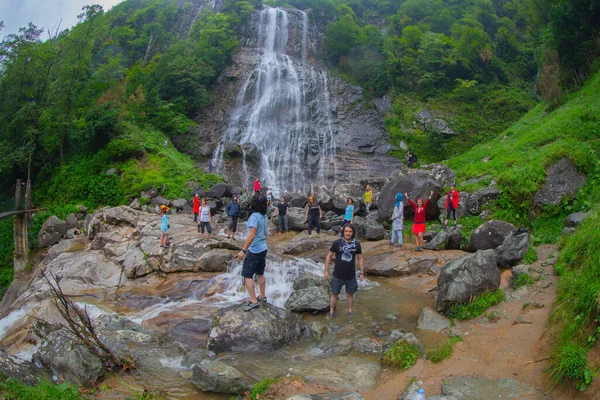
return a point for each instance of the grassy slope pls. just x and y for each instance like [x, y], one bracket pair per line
[518, 158]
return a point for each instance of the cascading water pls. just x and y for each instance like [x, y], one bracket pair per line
[283, 109]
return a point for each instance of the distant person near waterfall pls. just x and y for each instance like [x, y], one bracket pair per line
[419, 223]
[346, 250]
[233, 212]
[397, 220]
[196, 208]
[368, 199]
[349, 213]
[204, 219]
[255, 251]
[282, 211]
[313, 216]
[257, 186]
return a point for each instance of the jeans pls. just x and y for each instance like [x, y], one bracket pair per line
[314, 221]
[283, 222]
[397, 234]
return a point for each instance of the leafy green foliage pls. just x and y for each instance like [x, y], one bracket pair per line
[477, 305]
[401, 354]
[531, 256]
[440, 353]
[13, 389]
[260, 387]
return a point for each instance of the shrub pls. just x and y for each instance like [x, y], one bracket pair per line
[439, 354]
[477, 305]
[260, 387]
[522, 280]
[402, 354]
[531, 256]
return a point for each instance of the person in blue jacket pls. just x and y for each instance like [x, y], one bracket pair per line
[233, 212]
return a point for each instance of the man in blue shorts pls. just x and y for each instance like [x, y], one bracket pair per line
[255, 251]
[346, 250]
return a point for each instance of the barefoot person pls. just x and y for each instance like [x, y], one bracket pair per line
[419, 223]
[164, 226]
[397, 220]
[255, 250]
[347, 250]
[452, 199]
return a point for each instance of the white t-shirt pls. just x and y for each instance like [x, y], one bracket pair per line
[205, 213]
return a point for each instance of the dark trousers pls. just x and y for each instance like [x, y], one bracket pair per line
[314, 221]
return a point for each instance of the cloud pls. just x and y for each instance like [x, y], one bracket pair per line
[47, 13]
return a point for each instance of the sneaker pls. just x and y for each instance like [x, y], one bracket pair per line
[262, 298]
[350, 314]
[310, 236]
[329, 315]
[391, 244]
[400, 245]
[251, 306]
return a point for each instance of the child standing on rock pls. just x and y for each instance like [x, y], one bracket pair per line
[397, 220]
[164, 226]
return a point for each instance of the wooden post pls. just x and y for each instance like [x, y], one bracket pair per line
[20, 233]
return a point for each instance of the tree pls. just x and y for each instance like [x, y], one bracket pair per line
[340, 37]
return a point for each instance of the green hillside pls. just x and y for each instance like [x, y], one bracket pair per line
[518, 158]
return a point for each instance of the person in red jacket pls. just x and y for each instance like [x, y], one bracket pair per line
[419, 223]
[196, 207]
[451, 204]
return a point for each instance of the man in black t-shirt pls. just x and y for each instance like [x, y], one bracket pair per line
[282, 210]
[347, 251]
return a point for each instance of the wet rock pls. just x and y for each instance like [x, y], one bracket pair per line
[409, 337]
[416, 185]
[368, 345]
[211, 375]
[430, 320]
[575, 219]
[328, 396]
[311, 293]
[296, 200]
[135, 263]
[342, 372]
[400, 266]
[490, 235]
[512, 250]
[368, 229]
[411, 391]
[52, 231]
[59, 248]
[476, 388]
[317, 330]
[562, 180]
[69, 359]
[25, 371]
[464, 277]
[220, 190]
[262, 329]
[296, 218]
[449, 238]
[252, 152]
[300, 244]
[477, 200]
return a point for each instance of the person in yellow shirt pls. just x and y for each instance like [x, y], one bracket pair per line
[368, 199]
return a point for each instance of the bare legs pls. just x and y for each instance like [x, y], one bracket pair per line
[333, 301]
[249, 282]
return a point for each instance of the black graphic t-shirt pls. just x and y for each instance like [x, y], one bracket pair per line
[345, 258]
[282, 208]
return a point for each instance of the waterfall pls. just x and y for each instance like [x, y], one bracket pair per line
[283, 109]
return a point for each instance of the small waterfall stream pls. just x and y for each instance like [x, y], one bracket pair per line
[283, 109]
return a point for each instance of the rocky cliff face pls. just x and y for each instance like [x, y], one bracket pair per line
[297, 125]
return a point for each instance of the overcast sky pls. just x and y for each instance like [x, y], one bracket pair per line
[44, 13]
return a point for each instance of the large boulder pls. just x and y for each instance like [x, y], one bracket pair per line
[445, 239]
[368, 229]
[296, 200]
[443, 174]
[71, 221]
[341, 372]
[120, 216]
[220, 190]
[419, 184]
[182, 205]
[210, 375]
[392, 265]
[477, 200]
[296, 218]
[69, 359]
[512, 250]
[264, 328]
[562, 180]
[477, 388]
[24, 371]
[194, 255]
[300, 244]
[52, 231]
[465, 277]
[490, 235]
[311, 293]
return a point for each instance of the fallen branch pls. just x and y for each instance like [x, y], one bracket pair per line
[537, 361]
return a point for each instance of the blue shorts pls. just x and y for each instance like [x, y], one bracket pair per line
[337, 283]
[254, 264]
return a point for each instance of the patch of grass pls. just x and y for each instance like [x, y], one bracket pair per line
[522, 280]
[260, 387]
[477, 305]
[401, 354]
[13, 389]
[575, 315]
[439, 354]
[531, 256]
